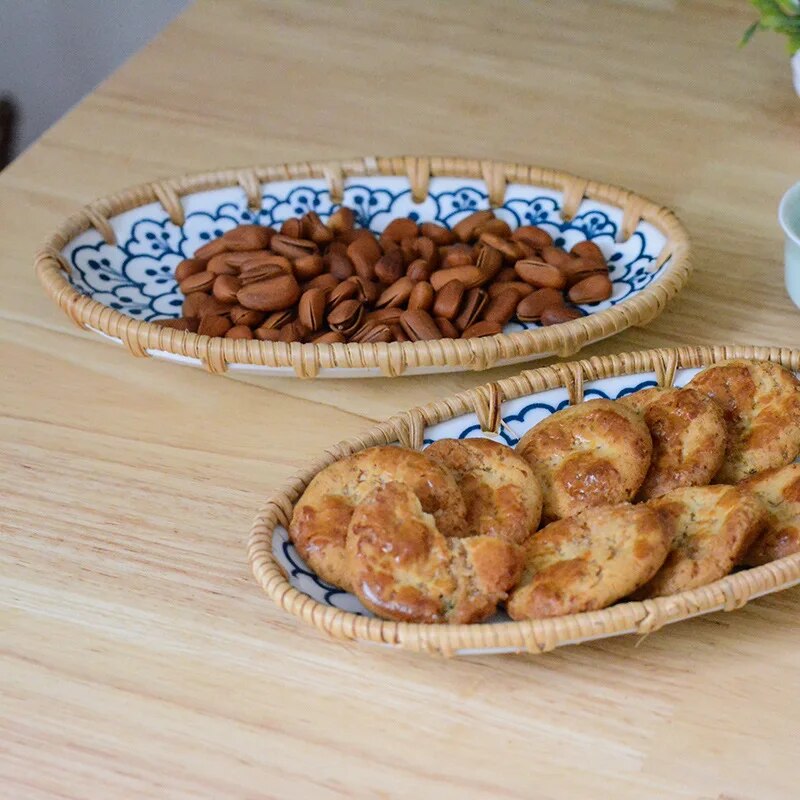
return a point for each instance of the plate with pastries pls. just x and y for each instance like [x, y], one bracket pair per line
[573, 502]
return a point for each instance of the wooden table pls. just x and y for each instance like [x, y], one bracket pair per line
[139, 658]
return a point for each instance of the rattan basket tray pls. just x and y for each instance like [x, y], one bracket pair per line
[110, 266]
[506, 409]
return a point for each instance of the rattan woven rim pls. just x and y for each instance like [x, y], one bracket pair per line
[537, 636]
[397, 357]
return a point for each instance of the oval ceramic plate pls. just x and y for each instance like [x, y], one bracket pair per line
[119, 256]
[505, 411]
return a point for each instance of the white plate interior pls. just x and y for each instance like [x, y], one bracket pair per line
[135, 276]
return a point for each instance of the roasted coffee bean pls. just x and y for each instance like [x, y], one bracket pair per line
[536, 237]
[506, 274]
[346, 290]
[501, 308]
[438, 234]
[221, 265]
[422, 296]
[189, 267]
[212, 248]
[588, 250]
[397, 294]
[239, 332]
[248, 237]
[397, 331]
[340, 266]
[293, 332]
[555, 315]
[577, 269]
[399, 229]
[194, 303]
[456, 256]
[293, 228]
[308, 267]
[591, 290]
[372, 332]
[343, 219]
[387, 315]
[419, 325]
[346, 317]
[216, 307]
[260, 272]
[277, 319]
[496, 227]
[489, 262]
[540, 274]
[214, 326]
[246, 316]
[427, 250]
[471, 307]
[292, 248]
[555, 256]
[316, 230]
[368, 291]
[199, 282]
[448, 300]
[449, 331]
[419, 270]
[469, 276]
[465, 230]
[272, 294]
[531, 307]
[265, 334]
[225, 288]
[364, 253]
[331, 337]
[311, 308]
[390, 267]
[325, 281]
[508, 248]
[484, 328]
[520, 287]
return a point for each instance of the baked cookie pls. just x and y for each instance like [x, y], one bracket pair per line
[712, 527]
[779, 490]
[404, 569]
[501, 492]
[761, 404]
[688, 432]
[589, 561]
[591, 454]
[321, 516]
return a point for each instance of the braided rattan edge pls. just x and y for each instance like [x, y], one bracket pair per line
[394, 358]
[536, 636]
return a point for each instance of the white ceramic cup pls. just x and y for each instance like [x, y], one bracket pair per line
[789, 217]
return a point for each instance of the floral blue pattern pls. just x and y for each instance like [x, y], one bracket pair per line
[306, 580]
[136, 275]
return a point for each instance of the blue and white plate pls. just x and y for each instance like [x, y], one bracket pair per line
[135, 276]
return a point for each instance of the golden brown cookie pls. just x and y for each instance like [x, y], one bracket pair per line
[589, 561]
[501, 492]
[321, 516]
[761, 404]
[591, 454]
[779, 490]
[404, 569]
[712, 527]
[688, 432]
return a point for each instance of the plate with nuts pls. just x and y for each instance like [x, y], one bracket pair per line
[381, 266]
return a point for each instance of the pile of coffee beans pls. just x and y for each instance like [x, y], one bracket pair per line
[333, 282]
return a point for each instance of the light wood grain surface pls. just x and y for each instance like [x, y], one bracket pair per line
[137, 656]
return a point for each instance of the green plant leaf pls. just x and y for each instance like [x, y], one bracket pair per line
[748, 34]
